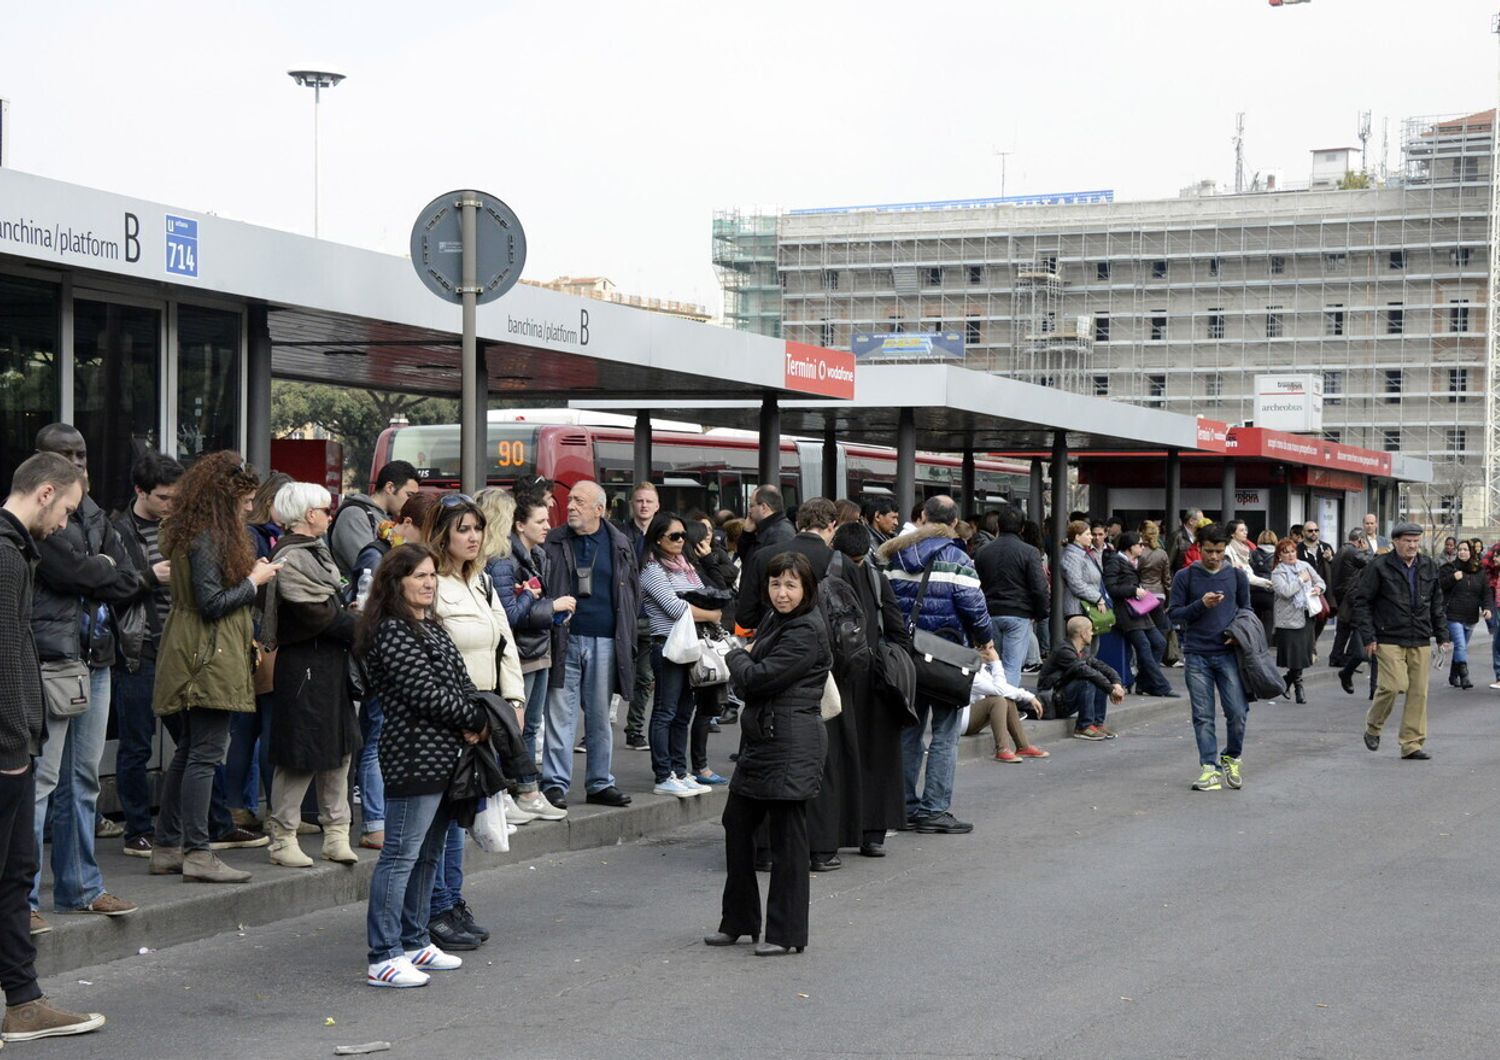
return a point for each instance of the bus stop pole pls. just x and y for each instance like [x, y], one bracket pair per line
[258, 392]
[473, 426]
[969, 505]
[770, 442]
[1173, 503]
[643, 446]
[1059, 528]
[1034, 506]
[906, 462]
[1226, 493]
[831, 459]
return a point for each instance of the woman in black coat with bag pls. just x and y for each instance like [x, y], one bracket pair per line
[781, 679]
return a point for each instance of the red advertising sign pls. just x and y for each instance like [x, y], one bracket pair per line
[814, 370]
[1213, 435]
[1310, 452]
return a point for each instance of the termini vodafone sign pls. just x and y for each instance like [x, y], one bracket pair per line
[814, 370]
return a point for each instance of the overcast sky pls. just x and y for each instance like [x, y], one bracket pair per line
[615, 129]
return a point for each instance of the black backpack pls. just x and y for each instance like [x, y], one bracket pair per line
[845, 618]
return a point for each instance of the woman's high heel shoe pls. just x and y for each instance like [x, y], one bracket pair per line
[770, 949]
[719, 938]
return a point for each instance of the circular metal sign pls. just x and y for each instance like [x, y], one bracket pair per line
[437, 246]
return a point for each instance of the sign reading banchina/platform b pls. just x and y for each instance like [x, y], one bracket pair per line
[1289, 402]
[814, 370]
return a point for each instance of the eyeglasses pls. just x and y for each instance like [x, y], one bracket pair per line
[325, 510]
[454, 500]
[676, 535]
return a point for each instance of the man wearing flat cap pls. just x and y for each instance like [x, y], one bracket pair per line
[1398, 611]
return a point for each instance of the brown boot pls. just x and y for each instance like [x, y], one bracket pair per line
[166, 861]
[204, 866]
[42, 1019]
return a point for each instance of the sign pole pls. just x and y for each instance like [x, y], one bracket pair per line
[474, 420]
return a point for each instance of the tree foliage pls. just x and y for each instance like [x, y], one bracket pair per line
[1352, 181]
[351, 416]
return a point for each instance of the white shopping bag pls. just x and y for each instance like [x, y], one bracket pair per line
[682, 643]
[489, 828]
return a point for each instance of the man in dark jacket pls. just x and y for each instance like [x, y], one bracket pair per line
[766, 525]
[953, 606]
[1318, 554]
[1206, 596]
[360, 515]
[815, 519]
[1399, 609]
[82, 573]
[645, 502]
[1343, 577]
[593, 656]
[1015, 590]
[1081, 685]
[44, 493]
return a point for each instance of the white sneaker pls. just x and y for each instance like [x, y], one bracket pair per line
[694, 784]
[513, 813]
[397, 972]
[537, 805]
[673, 786]
[1496, 686]
[432, 959]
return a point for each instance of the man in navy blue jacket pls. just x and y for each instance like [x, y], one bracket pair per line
[1205, 597]
[955, 606]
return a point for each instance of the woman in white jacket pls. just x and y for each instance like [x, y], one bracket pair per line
[471, 611]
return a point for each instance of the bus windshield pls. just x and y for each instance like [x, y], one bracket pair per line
[433, 451]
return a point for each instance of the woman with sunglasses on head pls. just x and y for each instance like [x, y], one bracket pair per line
[314, 729]
[203, 663]
[665, 572]
[469, 606]
[424, 689]
[710, 702]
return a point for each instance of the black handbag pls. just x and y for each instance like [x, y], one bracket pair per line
[945, 668]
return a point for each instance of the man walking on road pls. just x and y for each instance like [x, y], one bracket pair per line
[1399, 611]
[44, 493]
[1206, 596]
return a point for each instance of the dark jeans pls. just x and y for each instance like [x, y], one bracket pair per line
[645, 681]
[1149, 647]
[1088, 700]
[1205, 674]
[786, 905]
[448, 876]
[705, 708]
[17, 821]
[671, 713]
[135, 728]
[248, 768]
[187, 794]
[1343, 633]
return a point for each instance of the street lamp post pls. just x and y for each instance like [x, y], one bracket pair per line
[317, 80]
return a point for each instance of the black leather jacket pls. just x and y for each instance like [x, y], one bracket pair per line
[82, 566]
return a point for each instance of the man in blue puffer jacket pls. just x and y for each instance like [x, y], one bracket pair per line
[955, 606]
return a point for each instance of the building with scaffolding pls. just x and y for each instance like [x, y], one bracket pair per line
[1379, 288]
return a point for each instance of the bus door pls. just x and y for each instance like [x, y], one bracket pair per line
[732, 492]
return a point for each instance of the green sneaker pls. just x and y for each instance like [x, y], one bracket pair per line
[1208, 780]
[1231, 771]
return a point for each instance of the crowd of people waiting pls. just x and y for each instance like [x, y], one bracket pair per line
[287, 647]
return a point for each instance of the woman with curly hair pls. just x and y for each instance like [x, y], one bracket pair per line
[204, 662]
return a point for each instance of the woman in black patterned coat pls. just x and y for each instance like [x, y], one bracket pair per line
[425, 692]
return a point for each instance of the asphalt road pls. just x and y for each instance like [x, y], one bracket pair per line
[1340, 905]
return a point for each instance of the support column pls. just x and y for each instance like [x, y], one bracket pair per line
[473, 434]
[482, 411]
[1059, 527]
[969, 505]
[1034, 505]
[257, 392]
[831, 488]
[770, 443]
[1279, 507]
[1172, 517]
[642, 456]
[906, 462]
[1226, 492]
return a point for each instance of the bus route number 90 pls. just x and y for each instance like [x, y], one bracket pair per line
[510, 454]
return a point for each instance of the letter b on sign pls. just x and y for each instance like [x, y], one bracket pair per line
[132, 237]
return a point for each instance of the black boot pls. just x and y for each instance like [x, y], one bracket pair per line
[1297, 684]
[1453, 675]
[1463, 675]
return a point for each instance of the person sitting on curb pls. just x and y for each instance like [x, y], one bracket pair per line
[998, 704]
[1080, 683]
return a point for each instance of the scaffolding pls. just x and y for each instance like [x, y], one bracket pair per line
[1179, 303]
[744, 253]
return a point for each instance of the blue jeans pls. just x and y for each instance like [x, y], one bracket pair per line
[1204, 674]
[371, 783]
[1013, 641]
[248, 765]
[536, 711]
[135, 728]
[67, 780]
[1149, 647]
[588, 680]
[1087, 701]
[448, 878]
[1494, 624]
[1460, 634]
[416, 827]
[942, 759]
[671, 713]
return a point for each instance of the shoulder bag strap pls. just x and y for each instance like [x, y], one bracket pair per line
[916, 607]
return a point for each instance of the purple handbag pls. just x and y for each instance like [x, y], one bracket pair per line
[1144, 607]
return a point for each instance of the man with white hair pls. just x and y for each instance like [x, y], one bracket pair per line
[593, 656]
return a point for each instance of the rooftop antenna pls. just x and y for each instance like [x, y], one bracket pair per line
[1385, 147]
[1364, 141]
[1239, 152]
[1003, 155]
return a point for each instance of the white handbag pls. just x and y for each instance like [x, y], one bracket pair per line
[682, 643]
[833, 703]
[712, 667]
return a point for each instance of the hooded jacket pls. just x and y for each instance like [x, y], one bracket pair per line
[21, 702]
[356, 524]
[954, 601]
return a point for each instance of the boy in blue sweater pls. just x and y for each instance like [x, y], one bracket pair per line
[1205, 597]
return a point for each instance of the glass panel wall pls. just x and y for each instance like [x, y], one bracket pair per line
[30, 334]
[208, 381]
[116, 384]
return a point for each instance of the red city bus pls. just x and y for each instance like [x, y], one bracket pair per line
[690, 470]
